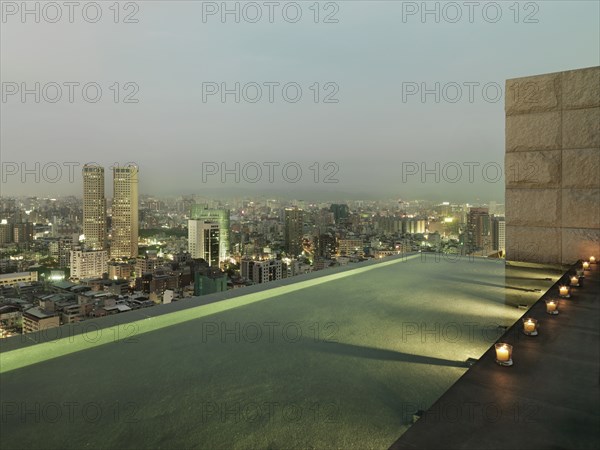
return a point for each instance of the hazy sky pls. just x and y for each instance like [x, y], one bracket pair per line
[368, 56]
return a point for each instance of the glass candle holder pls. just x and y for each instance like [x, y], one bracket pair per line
[586, 265]
[552, 306]
[504, 354]
[574, 281]
[530, 326]
[592, 260]
[564, 291]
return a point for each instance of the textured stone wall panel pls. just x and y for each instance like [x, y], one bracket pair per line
[581, 168]
[533, 94]
[533, 207]
[538, 131]
[533, 169]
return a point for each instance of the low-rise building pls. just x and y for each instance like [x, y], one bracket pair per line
[13, 279]
[351, 247]
[120, 270]
[88, 263]
[36, 319]
[262, 271]
[10, 316]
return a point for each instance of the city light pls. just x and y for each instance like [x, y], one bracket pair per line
[197, 199]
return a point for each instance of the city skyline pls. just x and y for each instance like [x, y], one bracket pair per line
[365, 291]
[301, 224]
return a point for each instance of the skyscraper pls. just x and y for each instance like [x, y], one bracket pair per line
[204, 241]
[94, 207]
[125, 213]
[498, 234]
[219, 216]
[478, 230]
[293, 231]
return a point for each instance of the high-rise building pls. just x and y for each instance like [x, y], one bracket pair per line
[220, 217]
[389, 225]
[94, 207]
[324, 246]
[204, 241]
[60, 249]
[478, 230]
[293, 231]
[88, 263]
[340, 212]
[22, 233]
[413, 225]
[6, 232]
[323, 219]
[125, 213]
[498, 234]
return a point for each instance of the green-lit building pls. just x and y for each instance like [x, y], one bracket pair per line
[207, 279]
[220, 216]
[209, 282]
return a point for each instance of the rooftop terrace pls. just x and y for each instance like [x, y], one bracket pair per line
[334, 359]
[548, 399]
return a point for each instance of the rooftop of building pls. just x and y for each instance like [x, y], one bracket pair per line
[548, 398]
[333, 359]
[39, 313]
[7, 276]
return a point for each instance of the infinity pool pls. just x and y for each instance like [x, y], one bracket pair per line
[338, 359]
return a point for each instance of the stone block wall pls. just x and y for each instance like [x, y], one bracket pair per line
[552, 167]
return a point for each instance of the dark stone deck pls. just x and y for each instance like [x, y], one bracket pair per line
[549, 398]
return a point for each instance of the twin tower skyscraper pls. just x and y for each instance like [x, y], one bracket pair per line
[124, 211]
